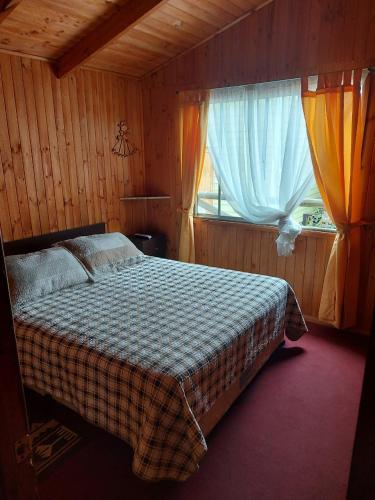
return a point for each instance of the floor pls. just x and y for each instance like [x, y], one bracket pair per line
[289, 436]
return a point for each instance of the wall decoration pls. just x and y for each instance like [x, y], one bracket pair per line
[123, 147]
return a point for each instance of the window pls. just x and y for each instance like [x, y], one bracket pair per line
[257, 136]
[211, 203]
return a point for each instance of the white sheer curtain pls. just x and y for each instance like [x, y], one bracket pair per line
[258, 142]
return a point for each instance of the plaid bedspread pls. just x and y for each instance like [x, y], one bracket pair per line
[146, 352]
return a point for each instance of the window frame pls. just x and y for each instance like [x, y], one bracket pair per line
[308, 202]
[241, 220]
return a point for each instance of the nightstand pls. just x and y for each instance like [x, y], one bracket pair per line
[155, 246]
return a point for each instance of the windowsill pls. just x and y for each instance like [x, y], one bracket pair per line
[263, 227]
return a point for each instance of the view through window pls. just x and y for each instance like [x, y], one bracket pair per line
[211, 203]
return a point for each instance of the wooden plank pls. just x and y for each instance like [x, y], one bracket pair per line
[63, 156]
[7, 168]
[132, 198]
[174, 158]
[14, 145]
[137, 174]
[7, 7]
[128, 15]
[44, 144]
[28, 84]
[23, 123]
[114, 164]
[130, 209]
[210, 244]
[320, 264]
[308, 281]
[299, 269]
[256, 251]
[104, 93]
[227, 255]
[53, 147]
[70, 152]
[289, 267]
[81, 96]
[138, 159]
[244, 245]
[5, 224]
[121, 166]
[281, 266]
[198, 243]
[75, 130]
[272, 255]
[264, 249]
[93, 159]
[99, 145]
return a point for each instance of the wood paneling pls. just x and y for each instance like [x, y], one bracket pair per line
[285, 39]
[250, 248]
[48, 28]
[174, 27]
[119, 23]
[7, 7]
[51, 29]
[57, 170]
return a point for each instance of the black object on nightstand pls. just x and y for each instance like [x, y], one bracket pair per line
[155, 246]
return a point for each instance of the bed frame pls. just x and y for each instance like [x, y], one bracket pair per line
[47, 240]
[225, 401]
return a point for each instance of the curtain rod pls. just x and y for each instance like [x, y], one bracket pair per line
[370, 69]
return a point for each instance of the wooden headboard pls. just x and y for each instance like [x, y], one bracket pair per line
[46, 240]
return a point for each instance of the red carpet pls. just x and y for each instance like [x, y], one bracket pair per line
[289, 436]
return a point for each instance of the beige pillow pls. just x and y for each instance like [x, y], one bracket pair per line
[103, 253]
[36, 274]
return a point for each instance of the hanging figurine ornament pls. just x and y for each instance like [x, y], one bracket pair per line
[123, 146]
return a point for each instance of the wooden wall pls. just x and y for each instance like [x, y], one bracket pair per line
[56, 168]
[285, 39]
[252, 248]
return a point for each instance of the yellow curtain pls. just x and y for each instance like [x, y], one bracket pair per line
[335, 118]
[193, 136]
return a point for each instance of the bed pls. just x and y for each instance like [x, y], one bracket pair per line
[154, 354]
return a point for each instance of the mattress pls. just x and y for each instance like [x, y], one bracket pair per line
[145, 352]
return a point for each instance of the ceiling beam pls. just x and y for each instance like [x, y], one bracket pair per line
[121, 22]
[7, 7]
[4, 4]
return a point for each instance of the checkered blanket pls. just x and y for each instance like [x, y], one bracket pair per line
[145, 352]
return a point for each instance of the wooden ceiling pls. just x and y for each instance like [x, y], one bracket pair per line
[131, 37]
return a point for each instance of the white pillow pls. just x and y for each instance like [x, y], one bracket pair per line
[36, 274]
[103, 253]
